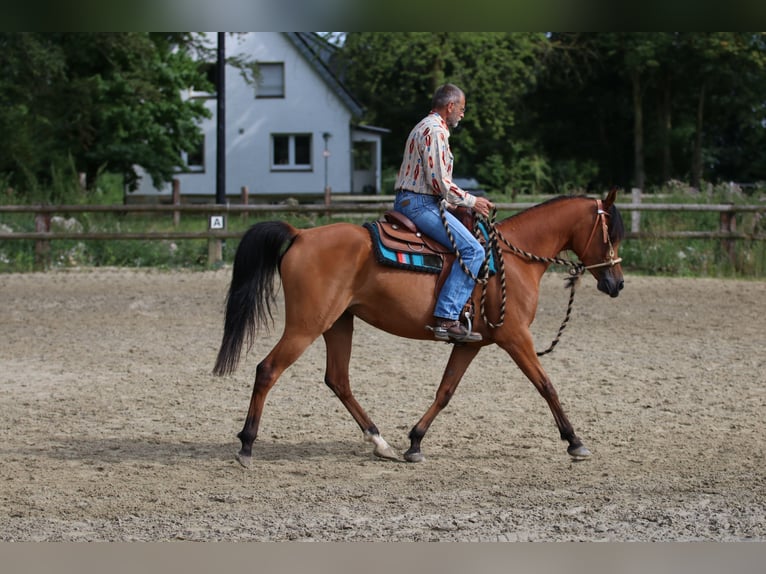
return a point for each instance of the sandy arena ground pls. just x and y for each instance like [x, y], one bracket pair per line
[114, 429]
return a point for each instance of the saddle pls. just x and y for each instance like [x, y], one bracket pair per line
[398, 232]
[398, 242]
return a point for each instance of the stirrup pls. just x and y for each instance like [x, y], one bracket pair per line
[453, 332]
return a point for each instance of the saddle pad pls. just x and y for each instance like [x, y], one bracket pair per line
[407, 259]
[427, 263]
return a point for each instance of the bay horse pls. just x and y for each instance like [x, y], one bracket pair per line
[329, 276]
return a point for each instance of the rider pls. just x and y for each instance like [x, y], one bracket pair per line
[425, 179]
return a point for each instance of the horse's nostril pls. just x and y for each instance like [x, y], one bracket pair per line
[622, 284]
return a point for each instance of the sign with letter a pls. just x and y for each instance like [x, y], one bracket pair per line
[217, 222]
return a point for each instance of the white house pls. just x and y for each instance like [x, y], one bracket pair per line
[294, 133]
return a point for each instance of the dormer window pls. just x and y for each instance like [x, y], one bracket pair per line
[271, 80]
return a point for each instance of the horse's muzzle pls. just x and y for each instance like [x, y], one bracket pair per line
[610, 284]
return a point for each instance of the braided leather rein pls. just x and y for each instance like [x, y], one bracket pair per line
[576, 268]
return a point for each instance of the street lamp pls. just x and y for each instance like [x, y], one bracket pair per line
[326, 153]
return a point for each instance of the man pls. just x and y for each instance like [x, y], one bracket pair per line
[425, 179]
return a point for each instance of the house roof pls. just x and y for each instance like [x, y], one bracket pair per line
[372, 129]
[319, 54]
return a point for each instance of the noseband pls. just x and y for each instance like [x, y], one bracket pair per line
[601, 216]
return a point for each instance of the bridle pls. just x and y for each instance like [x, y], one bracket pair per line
[601, 216]
[576, 268]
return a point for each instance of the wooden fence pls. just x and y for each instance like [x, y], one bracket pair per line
[369, 206]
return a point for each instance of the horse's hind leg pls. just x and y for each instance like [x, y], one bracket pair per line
[284, 354]
[338, 340]
[459, 360]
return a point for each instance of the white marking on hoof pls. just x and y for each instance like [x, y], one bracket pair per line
[382, 448]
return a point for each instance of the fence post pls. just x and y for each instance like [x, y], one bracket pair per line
[215, 244]
[42, 246]
[328, 200]
[635, 215]
[176, 201]
[728, 224]
[245, 201]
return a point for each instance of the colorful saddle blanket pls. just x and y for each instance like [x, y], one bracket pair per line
[397, 243]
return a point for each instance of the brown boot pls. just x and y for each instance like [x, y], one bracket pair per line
[453, 331]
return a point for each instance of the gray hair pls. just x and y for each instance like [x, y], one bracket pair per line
[446, 94]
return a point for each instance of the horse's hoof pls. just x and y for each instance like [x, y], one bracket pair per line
[385, 452]
[382, 448]
[244, 460]
[579, 452]
[414, 456]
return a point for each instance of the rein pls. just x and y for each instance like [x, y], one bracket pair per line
[576, 268]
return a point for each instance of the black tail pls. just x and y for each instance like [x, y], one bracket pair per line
[252, 293]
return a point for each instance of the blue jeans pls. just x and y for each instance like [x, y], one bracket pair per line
[423, 210]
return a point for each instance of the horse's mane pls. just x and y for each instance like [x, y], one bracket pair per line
[553, 200]
[616, 226]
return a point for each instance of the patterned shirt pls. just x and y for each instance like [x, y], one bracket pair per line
[427, 163]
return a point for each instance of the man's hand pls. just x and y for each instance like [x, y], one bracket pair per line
[483, 206]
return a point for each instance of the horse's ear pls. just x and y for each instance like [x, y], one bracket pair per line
[611, 196]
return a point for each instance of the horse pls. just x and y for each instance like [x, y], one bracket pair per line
[329, 277]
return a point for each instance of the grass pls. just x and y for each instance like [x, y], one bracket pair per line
[696, 257]
[651, 256]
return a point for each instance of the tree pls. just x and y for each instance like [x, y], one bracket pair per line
[396, 73]
[620, 66]
[726, 82]
[596, 97]
[104, 101]
[579, 113]
[31, 65]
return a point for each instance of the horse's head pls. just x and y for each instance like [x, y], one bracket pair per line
[599, 251]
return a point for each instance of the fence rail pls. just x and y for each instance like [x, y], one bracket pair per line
[368, 206]
[340, 206]
[343, 204]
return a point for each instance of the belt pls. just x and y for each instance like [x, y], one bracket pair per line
[402, 190]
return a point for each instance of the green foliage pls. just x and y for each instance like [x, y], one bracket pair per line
[396, 73]
[651, 256]
[521, 173]
[694, 257]
[573, 110]
[557, 113]
[654, 106]
[545, 112]
[98, 101]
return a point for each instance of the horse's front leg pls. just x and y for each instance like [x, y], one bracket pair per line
[523, 353]
[461, 357]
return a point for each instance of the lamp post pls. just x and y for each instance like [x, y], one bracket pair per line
[220, 180]
[218, 222]
[326, 153]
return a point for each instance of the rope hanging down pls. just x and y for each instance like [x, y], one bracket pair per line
[576, 270]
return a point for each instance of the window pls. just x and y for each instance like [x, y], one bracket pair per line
[271, 80]
[291, 152]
